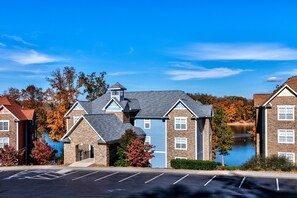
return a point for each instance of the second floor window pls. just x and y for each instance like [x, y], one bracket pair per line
[285, 112]
[286, 136]
[147, 140]
[4, 125]
[147, 123]
[3, 142]
[181, 143]
[180, 123]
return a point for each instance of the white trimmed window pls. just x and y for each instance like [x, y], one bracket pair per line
[286, 136]
[3, 142]
[181, 143]
[285, 112]
[75, 119]
[183, 158]
[180, 123]
[289, 156]
[4, 125]
[147, 140]
[147, 123]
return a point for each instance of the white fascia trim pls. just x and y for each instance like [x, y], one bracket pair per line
[3, 106]
[179, 100]
[77, 102]
[196, 139]
[71, 129]
[166, 144]
[112, 99]
[17, 135]
[266, 146]
[272, 97]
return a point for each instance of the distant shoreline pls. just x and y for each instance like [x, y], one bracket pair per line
[241, 123]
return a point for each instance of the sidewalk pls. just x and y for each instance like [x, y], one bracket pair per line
[286, 175]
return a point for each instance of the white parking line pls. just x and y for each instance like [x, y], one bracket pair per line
[129, 177]
[154, 178]
[277, 186]
[241, 183]
[181, 179]
[85, 175]
[209, 180]
[106, 176]
[17, 174]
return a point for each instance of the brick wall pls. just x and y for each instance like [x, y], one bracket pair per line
[84, 135]
[273, 124]
[72, 114]
[207, 140]
[172, 133]
[11, 134]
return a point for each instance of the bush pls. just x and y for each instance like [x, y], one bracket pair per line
[193, 164]
[228, 168]
[42, 153]
[9, 156]
[273, 162]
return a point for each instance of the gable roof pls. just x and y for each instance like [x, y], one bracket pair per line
[263, 99]
[86, 105]
[152, 104]
[108, 126]
[15, 109]
[117, 86]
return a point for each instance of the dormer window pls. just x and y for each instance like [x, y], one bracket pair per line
[117, 91]
[116, 94]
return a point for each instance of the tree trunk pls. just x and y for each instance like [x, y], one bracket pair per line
[223, 161]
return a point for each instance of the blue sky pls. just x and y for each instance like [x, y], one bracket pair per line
[215, 47]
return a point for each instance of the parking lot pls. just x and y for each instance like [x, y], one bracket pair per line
[98, 183]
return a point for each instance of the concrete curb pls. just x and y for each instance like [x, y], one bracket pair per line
[285, 175]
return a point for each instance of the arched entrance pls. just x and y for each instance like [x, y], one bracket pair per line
[84, 151]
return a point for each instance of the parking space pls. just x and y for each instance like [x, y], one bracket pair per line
[140, 184]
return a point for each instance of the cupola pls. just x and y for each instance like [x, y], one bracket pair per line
[117, 91]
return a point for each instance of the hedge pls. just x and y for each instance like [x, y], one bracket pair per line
[193, 164]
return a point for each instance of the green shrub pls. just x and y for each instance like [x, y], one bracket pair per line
[273, 162]
[228, 168]
[193, 164]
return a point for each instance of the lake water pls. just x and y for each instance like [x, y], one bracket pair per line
[243, 147]
[56, 145]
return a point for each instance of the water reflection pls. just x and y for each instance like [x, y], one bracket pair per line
[243, 147]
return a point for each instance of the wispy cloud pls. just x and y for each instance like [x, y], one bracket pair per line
[185, 65]
[274, 79]
[239, 51]
[131, 50]
[17, 38]
[204, 73]
[122, 73]
[32, 57]
[19, 69]
[291, 73]
[2, 45]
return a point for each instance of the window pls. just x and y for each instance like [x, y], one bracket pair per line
[75, 119]
[4, 125]
[113, 107]
[147, 123]
[285, 112]
[286, 136]
[3, 142]
[180, 143]
[183, 158]
[180, 123]
[289, 156]
[147, 140]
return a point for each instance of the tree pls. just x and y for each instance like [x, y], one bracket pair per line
[42, 153]
[94, 86]
[9, 156]
[223, 133]
[13, 94]
[138, 153]
[63, 94]
[122, 148]
[34, 98]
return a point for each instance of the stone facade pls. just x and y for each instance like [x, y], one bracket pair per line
[207, 140]
[123, 116]
[273, 124]
[72, 114]
[11, 134]
[189, 153]
[83, 135]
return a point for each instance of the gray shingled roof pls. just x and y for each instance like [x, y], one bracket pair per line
[109, 127]
[117, 86]
[87, 105]
[152, 104]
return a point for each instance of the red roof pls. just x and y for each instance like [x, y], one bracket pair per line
[260, 99]
[17, 110]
